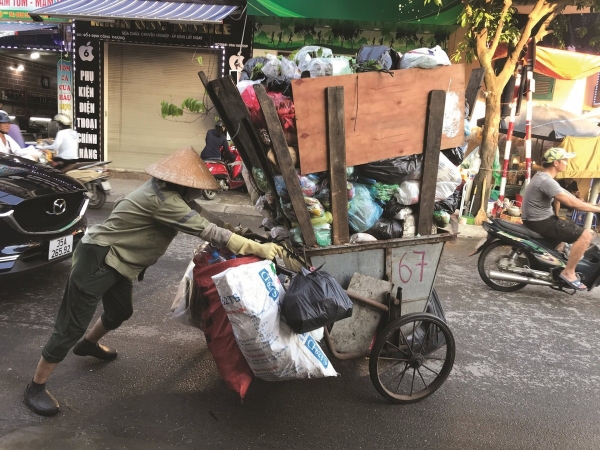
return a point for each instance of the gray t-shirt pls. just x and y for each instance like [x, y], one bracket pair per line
[537, 199]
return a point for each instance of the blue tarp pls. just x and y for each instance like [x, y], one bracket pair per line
[136, 10]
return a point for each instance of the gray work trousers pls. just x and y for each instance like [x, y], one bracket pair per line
[90, 281]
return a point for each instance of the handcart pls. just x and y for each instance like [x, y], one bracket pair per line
[411, 351]
[401, 326]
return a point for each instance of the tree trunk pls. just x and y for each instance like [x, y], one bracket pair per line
[489, 142]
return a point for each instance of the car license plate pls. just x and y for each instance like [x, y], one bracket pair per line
[105, 185]
[60, 247]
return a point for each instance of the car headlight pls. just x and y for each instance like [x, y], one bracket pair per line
[5, 210]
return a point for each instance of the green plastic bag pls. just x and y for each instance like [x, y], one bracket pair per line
[497, 169]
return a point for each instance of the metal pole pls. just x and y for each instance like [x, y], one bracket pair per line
[529, 113]
[509, 133]
[593, 197]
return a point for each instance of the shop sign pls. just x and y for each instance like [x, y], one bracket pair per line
[89, 37]
[18, 10]
[64, 87]
[87, 94]
[227, 35]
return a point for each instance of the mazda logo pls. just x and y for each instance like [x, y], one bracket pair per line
[58, 207]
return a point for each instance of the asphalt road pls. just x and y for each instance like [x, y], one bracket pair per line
[526, 376]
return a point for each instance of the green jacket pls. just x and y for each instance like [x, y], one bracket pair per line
[142, 226]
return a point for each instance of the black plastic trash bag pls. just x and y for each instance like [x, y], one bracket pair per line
[314, 300]
[279, 84]
[385, 229]
[429, 338]
[455, 155]
[251, 72]
[394, 170]
[371, 56]
[391, 208]
[450, 204]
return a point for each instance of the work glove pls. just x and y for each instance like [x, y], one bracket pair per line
[242, 246]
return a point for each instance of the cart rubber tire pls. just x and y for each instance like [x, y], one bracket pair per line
[487, 280]
[209, 195]
[97, 199]
[416, 358]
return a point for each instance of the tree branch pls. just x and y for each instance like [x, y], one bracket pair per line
[505, 8]
[541, 9]
[543, 31]
[482, 50]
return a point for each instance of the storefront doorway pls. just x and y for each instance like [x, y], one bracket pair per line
[139, 78]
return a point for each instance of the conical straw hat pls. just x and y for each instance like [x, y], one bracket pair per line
[185, 168]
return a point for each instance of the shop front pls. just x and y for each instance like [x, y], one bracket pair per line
[31, 55]
[123, 68]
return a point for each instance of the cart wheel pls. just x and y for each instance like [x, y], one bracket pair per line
[411, 358]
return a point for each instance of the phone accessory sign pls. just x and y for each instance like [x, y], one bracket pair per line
[88, 98]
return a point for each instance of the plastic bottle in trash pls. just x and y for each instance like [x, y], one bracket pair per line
[216, 258]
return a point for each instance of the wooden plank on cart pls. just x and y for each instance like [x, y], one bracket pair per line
[431, 160]
[230, 106]
[286, 165]
[473, 87]
[264, 163]
[336, 144]
[384, 115]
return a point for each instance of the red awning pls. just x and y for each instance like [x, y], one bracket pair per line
[560, 64]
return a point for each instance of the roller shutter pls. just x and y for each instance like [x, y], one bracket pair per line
[139, 78]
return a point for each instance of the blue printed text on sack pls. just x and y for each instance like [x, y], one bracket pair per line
[314, 348]
[266, 277]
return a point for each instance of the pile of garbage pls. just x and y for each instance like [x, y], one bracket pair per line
[381, 195]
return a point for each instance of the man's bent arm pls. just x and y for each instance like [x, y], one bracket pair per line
[575, 203]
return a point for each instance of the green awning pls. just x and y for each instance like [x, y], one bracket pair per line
[413, 11]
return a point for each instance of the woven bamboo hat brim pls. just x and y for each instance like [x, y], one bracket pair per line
[185, 168]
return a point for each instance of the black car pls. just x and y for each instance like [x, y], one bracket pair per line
[41, 215]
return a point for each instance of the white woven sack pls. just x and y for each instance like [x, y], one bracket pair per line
[251, 294]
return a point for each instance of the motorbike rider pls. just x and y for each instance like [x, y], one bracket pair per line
[112, 254]
[538, 215]
[66, 145]
[217, 145]
[7, 144]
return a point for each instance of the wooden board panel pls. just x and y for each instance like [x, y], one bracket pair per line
[384, 115]
[431, 159]
[473, 87]
[336, 144]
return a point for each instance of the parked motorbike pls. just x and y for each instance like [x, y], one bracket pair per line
[512, 256]
[228, 175]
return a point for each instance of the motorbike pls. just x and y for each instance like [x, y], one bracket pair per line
[94, 176]
[229, 176]
[512, 256]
